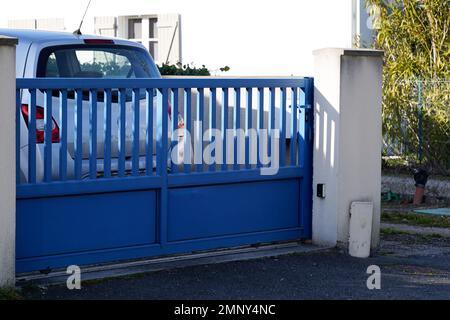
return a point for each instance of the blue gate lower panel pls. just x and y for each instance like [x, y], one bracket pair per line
[211, 211]
[52, 226]
[94, 228]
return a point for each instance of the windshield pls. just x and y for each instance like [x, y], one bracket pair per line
[87, 61]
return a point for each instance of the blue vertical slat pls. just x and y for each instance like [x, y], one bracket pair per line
[271, 123]
[162, 164]
[187, 124]
[307, 189]
[92, 134]
[18, 120]
[248, 127]
[136, 122]
[260, 124]
[199, 128]
[224, 128]
[293, 154]
[159, 134]
[165, 127]
[63, 135]
[236, 126]
[149, 136]
[122, 128]
[282, 125]
[32, 137]
[107, 128]
[174, 118]
[48, 125]
[212, 123]
[78, 127]
[301, 129]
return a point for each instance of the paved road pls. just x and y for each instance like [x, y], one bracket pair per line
[409, 271]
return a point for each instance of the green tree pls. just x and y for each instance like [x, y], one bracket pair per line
[415, 37]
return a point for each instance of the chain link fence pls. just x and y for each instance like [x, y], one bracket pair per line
[416, 127]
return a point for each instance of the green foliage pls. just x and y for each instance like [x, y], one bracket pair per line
[415, 37]
[182, 70]
[110, 69]
[9, 294]
[96, 68]
[415, 219]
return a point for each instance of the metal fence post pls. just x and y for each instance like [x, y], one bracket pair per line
[420, 119]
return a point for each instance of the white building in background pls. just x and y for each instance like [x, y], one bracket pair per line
[53, 24]
[252, 37]
[159, 33]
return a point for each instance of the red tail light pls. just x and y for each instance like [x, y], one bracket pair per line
[40, 125]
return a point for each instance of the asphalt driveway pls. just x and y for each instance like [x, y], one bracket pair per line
[412, 267]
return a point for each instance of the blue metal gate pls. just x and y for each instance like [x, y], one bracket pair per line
[96, 180]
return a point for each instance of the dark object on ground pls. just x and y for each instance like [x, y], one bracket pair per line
[421, 178]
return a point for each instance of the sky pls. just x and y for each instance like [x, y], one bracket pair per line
[253, 37]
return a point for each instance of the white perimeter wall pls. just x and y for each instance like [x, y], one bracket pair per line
[7, 162]
[347, 146]
[253, 37]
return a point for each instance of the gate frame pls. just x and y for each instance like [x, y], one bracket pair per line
[162, 184]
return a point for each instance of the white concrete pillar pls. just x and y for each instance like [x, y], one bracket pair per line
[7, 161]
[347, 146]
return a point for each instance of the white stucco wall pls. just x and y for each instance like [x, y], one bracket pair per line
[253, 37]
[347, 150]
[7, 162]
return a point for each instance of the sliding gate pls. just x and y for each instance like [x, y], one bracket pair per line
[99, 176]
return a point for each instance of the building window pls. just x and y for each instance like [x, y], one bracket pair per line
[153, 49]
[153, 32]
[135, 29]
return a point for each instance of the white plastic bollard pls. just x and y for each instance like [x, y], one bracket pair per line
[361, 214]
